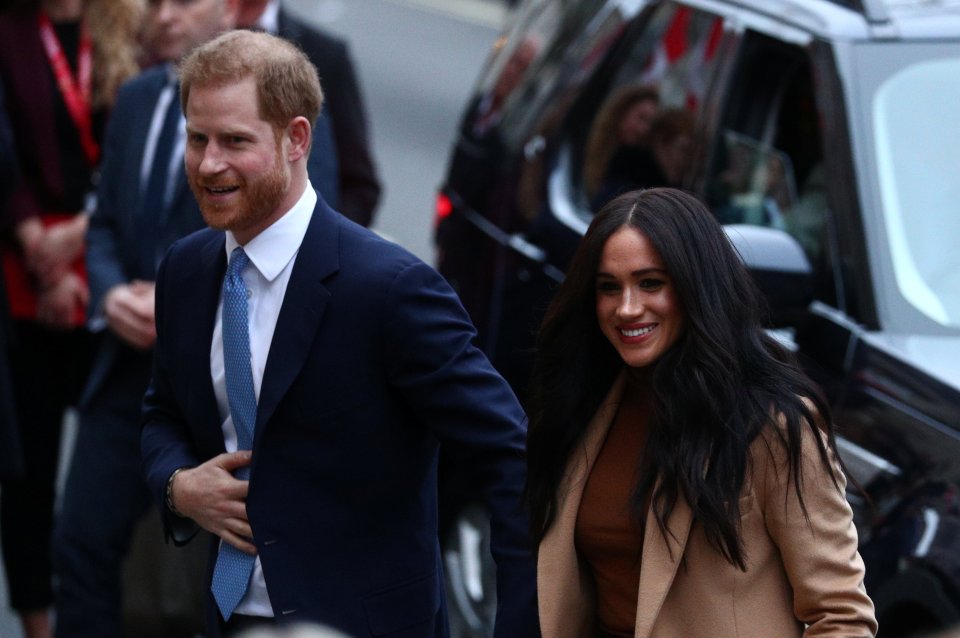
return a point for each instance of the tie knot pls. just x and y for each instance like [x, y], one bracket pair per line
[238, 260]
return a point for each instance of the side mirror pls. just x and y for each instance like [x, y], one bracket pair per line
[779, 267]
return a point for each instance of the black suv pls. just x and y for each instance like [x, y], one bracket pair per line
[825, 135]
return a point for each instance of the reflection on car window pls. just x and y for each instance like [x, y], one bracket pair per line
[767, 167]
[917, 142]
[756, 186]
[641, 116]
[567, 58]
[624, 122]
[661, 159]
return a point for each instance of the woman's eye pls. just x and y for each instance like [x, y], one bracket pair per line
[607, 286]
[651, 284]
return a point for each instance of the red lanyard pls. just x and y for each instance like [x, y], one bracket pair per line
[75, 92]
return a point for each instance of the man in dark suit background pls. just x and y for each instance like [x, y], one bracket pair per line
[144, 204]
[297, 405]
[358, 185]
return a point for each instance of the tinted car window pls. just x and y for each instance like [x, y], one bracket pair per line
[670, 51]
[917, 141]
[767, 166]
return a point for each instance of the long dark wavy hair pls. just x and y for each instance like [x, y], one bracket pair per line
[715, 390]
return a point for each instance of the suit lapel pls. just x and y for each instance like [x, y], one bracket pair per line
[145, 226]
[303, 306]
[144, 118]
[287, 27]
[565, 593]
[181, 190]
[205, 289]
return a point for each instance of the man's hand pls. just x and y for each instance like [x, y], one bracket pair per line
[214, 499]
[129, 312]
[58, 304]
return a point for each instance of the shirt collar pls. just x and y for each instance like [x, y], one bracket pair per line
[268, 20]
[277, 245]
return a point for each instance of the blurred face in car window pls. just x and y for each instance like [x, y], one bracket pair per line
[635, 125]
[674, 157]
[671, 138]
[515, 67]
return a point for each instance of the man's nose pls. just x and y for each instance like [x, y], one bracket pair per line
[212, 160]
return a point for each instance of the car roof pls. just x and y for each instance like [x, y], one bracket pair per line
[861, 19]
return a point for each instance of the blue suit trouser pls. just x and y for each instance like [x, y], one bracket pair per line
[105, 497]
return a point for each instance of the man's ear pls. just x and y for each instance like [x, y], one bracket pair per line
[300, 135]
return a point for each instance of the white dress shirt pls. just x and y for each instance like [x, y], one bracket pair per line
[271, 254]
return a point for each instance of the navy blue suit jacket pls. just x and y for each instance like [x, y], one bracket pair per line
[371, 368]
[121, 244]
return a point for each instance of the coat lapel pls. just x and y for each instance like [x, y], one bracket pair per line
[565, 591]
[303, 306]
[659, 563]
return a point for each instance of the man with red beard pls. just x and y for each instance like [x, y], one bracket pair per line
[306, 372]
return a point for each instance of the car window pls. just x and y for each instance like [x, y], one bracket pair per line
[917, 142]
[569, 42]
[634, 125]
[767, 164]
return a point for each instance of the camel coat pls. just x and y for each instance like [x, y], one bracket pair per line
[803, 578]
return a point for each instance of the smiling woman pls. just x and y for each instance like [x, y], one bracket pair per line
[637, 306]
[668, 428]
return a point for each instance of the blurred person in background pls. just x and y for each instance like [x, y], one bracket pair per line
[144, 205]
[623, 121]
[661, 162]
[61, 63]
[480, 149]
[355, 189]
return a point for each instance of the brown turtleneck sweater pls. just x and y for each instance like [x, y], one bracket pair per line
[609, 539]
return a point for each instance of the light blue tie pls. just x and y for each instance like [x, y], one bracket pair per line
[232, 571]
